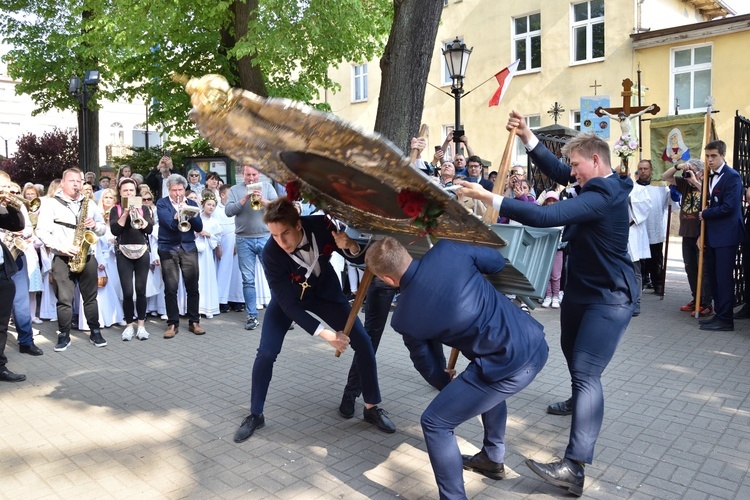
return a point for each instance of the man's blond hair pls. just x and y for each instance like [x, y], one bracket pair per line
[588, 145]
[387, 257]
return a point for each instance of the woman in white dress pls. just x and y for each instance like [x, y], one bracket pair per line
[32, 256]
[48, 305]
[208, 242]
[227, 266]
[109, 297]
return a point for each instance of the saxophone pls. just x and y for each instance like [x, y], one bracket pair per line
[83, 239]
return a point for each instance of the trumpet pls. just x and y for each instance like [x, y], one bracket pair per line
[15, 243]
[132, 204]
[184, 215]
[16, 201]
[255, 202]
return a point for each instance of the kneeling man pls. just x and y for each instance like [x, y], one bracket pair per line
[301, 278]
[506, 347]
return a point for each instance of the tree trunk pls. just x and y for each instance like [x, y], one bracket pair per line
[405, 66]
[249, 76]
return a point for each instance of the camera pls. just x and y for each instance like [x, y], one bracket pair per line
[688, 174]
[457, 134]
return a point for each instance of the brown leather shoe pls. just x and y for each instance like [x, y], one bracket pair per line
[196, 329]
[171, 331]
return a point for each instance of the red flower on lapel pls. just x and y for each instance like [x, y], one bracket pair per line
[295, 277]
[328, 249]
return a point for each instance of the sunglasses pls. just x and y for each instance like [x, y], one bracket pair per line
[195, 175]
[148, 199]
[15, 192]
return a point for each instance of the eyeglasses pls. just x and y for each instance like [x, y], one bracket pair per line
[195, 175]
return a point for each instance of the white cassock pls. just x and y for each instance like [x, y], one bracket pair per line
[208, 287]
[228, 268]
[109, 296]
[639, 207]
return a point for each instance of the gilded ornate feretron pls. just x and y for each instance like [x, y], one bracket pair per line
[357, 174]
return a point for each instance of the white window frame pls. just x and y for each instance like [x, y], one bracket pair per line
[521, 155]
[588, 24]
[527, 38]
[575, 121]
[359, 83]
[448, 153]
[673, 71]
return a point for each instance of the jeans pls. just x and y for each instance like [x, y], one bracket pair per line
[589, 336]
[171, 265]
[467, 396]
[247, 251]
[21, 309]
[638, 269]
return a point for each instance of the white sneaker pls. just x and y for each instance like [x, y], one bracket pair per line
[36, 321]
[555, 303]
[164, 316]
[259, 308]
[127, 334]
[142, 333]
[547, 301]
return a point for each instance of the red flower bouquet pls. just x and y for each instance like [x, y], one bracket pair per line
[424, 213]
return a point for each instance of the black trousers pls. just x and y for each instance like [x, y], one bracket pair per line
[64, 285]
[172, 263]
[7, 293]
[126, 269]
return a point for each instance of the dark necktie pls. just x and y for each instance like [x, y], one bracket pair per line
[302, 248]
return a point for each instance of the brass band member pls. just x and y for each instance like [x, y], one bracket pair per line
[63, 222]
[11, 219]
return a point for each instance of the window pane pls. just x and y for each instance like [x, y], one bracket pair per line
[681, 58]
[521, 54]
[597, 8]
[520, 25]
[534, 121]
[682, 90]
[597, 44]
[581, 11]
[364, 88]
[702, 55]
[536, 52]
[702, 82]
[535, 20]
[580, 43]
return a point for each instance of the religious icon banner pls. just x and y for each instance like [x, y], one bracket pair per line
[675, 139]
[590, 122]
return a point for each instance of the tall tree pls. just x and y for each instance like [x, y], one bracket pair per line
[405, 66]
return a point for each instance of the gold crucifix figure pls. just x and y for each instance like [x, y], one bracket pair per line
[305, 285]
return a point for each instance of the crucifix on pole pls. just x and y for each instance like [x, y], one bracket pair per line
[626, 112]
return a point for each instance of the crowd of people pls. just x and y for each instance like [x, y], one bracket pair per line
[92, 256]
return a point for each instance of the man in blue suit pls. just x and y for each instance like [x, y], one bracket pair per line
[725, 230]
[600, 290]
[506, 347]
[297, 263]
[177, 252]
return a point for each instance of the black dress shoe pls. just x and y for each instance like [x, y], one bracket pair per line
[743, 313]
[8, 376]
[248, 426]
[346, 408]
[482, 464]
[565, 474]
[561, 408]
[717, 326]
[30, 349]
[224, 308]
[379, 417]
[709, 321]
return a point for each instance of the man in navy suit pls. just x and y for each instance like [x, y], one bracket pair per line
[301, 278]
[177, 252]
[506, 347]
[725, 230]
[600, 290]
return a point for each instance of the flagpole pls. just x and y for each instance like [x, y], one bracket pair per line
[704, 203]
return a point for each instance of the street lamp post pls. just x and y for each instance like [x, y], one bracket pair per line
[457, 58]
[83, 90]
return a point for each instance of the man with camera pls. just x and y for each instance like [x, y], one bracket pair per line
[247, 203]
[157, 177]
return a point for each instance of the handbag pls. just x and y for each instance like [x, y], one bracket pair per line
[102, 280]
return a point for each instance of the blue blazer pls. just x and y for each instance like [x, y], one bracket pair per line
[445, 296]
[723, 214]
[171, 238]
[285, 275]
[596, 228]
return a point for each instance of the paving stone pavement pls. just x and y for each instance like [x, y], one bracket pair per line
[155, 418]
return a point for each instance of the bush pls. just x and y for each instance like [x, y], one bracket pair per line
[42, 159]
[142, 160]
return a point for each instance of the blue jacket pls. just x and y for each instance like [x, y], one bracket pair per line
[596, 224]
[171, 238]
[285, 275]
[723, 214]
[445, 296]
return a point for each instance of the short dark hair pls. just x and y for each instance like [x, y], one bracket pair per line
[474, 159]
[213, 175]
[281, 210]
[718, 145]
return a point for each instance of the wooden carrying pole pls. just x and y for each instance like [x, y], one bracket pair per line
[490, 216]
[364, 283]
[704, 203]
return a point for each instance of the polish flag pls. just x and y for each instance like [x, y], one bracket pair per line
[503, 79]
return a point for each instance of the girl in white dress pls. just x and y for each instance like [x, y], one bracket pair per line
[207, 242]
[48, 305]
[227, 267]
